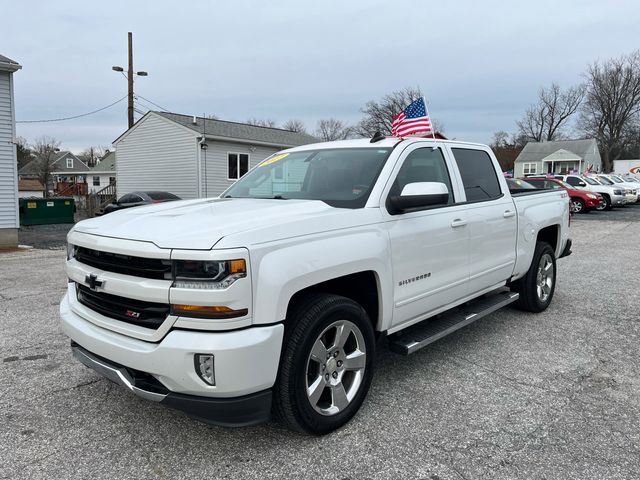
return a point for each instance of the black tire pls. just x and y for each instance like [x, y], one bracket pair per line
[307, 320]
[607, 202]
[529, 286]
[578, 205]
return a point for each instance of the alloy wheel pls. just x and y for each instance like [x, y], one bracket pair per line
[335, 367]
[544, 278]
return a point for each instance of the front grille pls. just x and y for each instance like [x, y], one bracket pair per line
[136, 312]
[125, 264]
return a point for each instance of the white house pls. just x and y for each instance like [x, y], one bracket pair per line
[561, 157]
[103, 174]
[193, 157]
[9, 219]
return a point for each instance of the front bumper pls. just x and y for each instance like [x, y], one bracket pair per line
[618, 200]
[246, 361]
[242, 411]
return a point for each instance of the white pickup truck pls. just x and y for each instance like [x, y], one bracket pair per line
[271, 299]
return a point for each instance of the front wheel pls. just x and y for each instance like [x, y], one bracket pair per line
[577, 205]
[538, 285]
[327, 364]
[605, 205]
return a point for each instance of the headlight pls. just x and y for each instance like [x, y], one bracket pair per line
[591, 195]
[215, 274]
[71, 251]
[618, 192]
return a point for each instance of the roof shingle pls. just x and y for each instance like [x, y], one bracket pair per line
[241, 131]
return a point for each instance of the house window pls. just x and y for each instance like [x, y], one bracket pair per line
[112, 180]
[96, 181]
[69, 162]
[237, 165]
[530, 168]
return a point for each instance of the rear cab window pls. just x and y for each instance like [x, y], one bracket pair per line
[478, 174]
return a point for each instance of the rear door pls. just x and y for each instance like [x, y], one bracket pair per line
[492, 217]
[429, 247]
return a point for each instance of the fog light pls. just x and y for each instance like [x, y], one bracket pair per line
[205, 367]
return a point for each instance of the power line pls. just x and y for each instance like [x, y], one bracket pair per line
[73, 117]
[155, 104]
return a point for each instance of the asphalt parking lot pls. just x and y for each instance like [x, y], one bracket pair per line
[515, 395]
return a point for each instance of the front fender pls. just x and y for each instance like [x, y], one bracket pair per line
[280, 271]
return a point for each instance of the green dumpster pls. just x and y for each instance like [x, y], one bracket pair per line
[45, 211]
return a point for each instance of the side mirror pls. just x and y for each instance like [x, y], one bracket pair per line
[582, 184]
[418, 195]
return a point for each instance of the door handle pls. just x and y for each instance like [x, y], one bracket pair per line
[509, 214]
[458, 222]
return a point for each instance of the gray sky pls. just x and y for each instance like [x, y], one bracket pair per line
[479, 64]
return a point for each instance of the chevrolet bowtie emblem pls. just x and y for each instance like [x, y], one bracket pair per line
[93, 282]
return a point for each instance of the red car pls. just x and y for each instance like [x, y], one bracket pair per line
[581, 201]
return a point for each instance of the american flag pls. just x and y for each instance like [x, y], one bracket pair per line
[412, 120]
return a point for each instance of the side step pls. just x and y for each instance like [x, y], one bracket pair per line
[422, 334]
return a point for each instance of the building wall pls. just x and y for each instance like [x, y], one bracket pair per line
[157, 155]
[8, 175]
[215, 163]
[30, 194]
[103, 178]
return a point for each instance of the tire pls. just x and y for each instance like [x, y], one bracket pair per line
[305, 399]
[606, 205]
[538, 285]
[577, 205]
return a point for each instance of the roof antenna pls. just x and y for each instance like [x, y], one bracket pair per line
[377, 137]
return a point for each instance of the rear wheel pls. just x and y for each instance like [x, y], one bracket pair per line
[577, 205]
[538, 285]
[326, 365]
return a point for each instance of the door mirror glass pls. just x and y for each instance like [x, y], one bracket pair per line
[419, 195]
[582, 184]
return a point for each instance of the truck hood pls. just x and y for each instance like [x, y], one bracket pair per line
[201, 224]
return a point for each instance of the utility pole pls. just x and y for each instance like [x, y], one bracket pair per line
[129, 77]
[130, 81]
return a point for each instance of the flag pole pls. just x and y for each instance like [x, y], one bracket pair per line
[426, 109]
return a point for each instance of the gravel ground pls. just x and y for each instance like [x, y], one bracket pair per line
[515, 395]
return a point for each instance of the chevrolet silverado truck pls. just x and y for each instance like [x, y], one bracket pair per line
[271, 299]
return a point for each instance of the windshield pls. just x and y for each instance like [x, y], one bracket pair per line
[605, 181]
[340, 177]
[590, 181]
[616, 179]
[517, 184]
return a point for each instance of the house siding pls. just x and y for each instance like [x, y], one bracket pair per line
[8, 174]
[214, 163]
[102, 176]
[157, 155]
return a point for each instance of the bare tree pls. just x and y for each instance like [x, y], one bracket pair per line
[23, 152]
[378, 116]
[92, 155]
[294, 125]
[45, 149]
[612, 108]
[329, 129]
[545, 120]
[260, 122]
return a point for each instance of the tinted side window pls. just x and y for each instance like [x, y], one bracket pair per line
[478, 174]
[573, 181]
[422, 165]
[125, 198]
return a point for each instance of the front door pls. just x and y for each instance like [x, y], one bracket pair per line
[429, 247]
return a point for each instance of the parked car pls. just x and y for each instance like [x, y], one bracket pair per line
[273, 296]
[581, 201]
[613, 196]
[632, 186]
[136, 199]
[632, 192]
